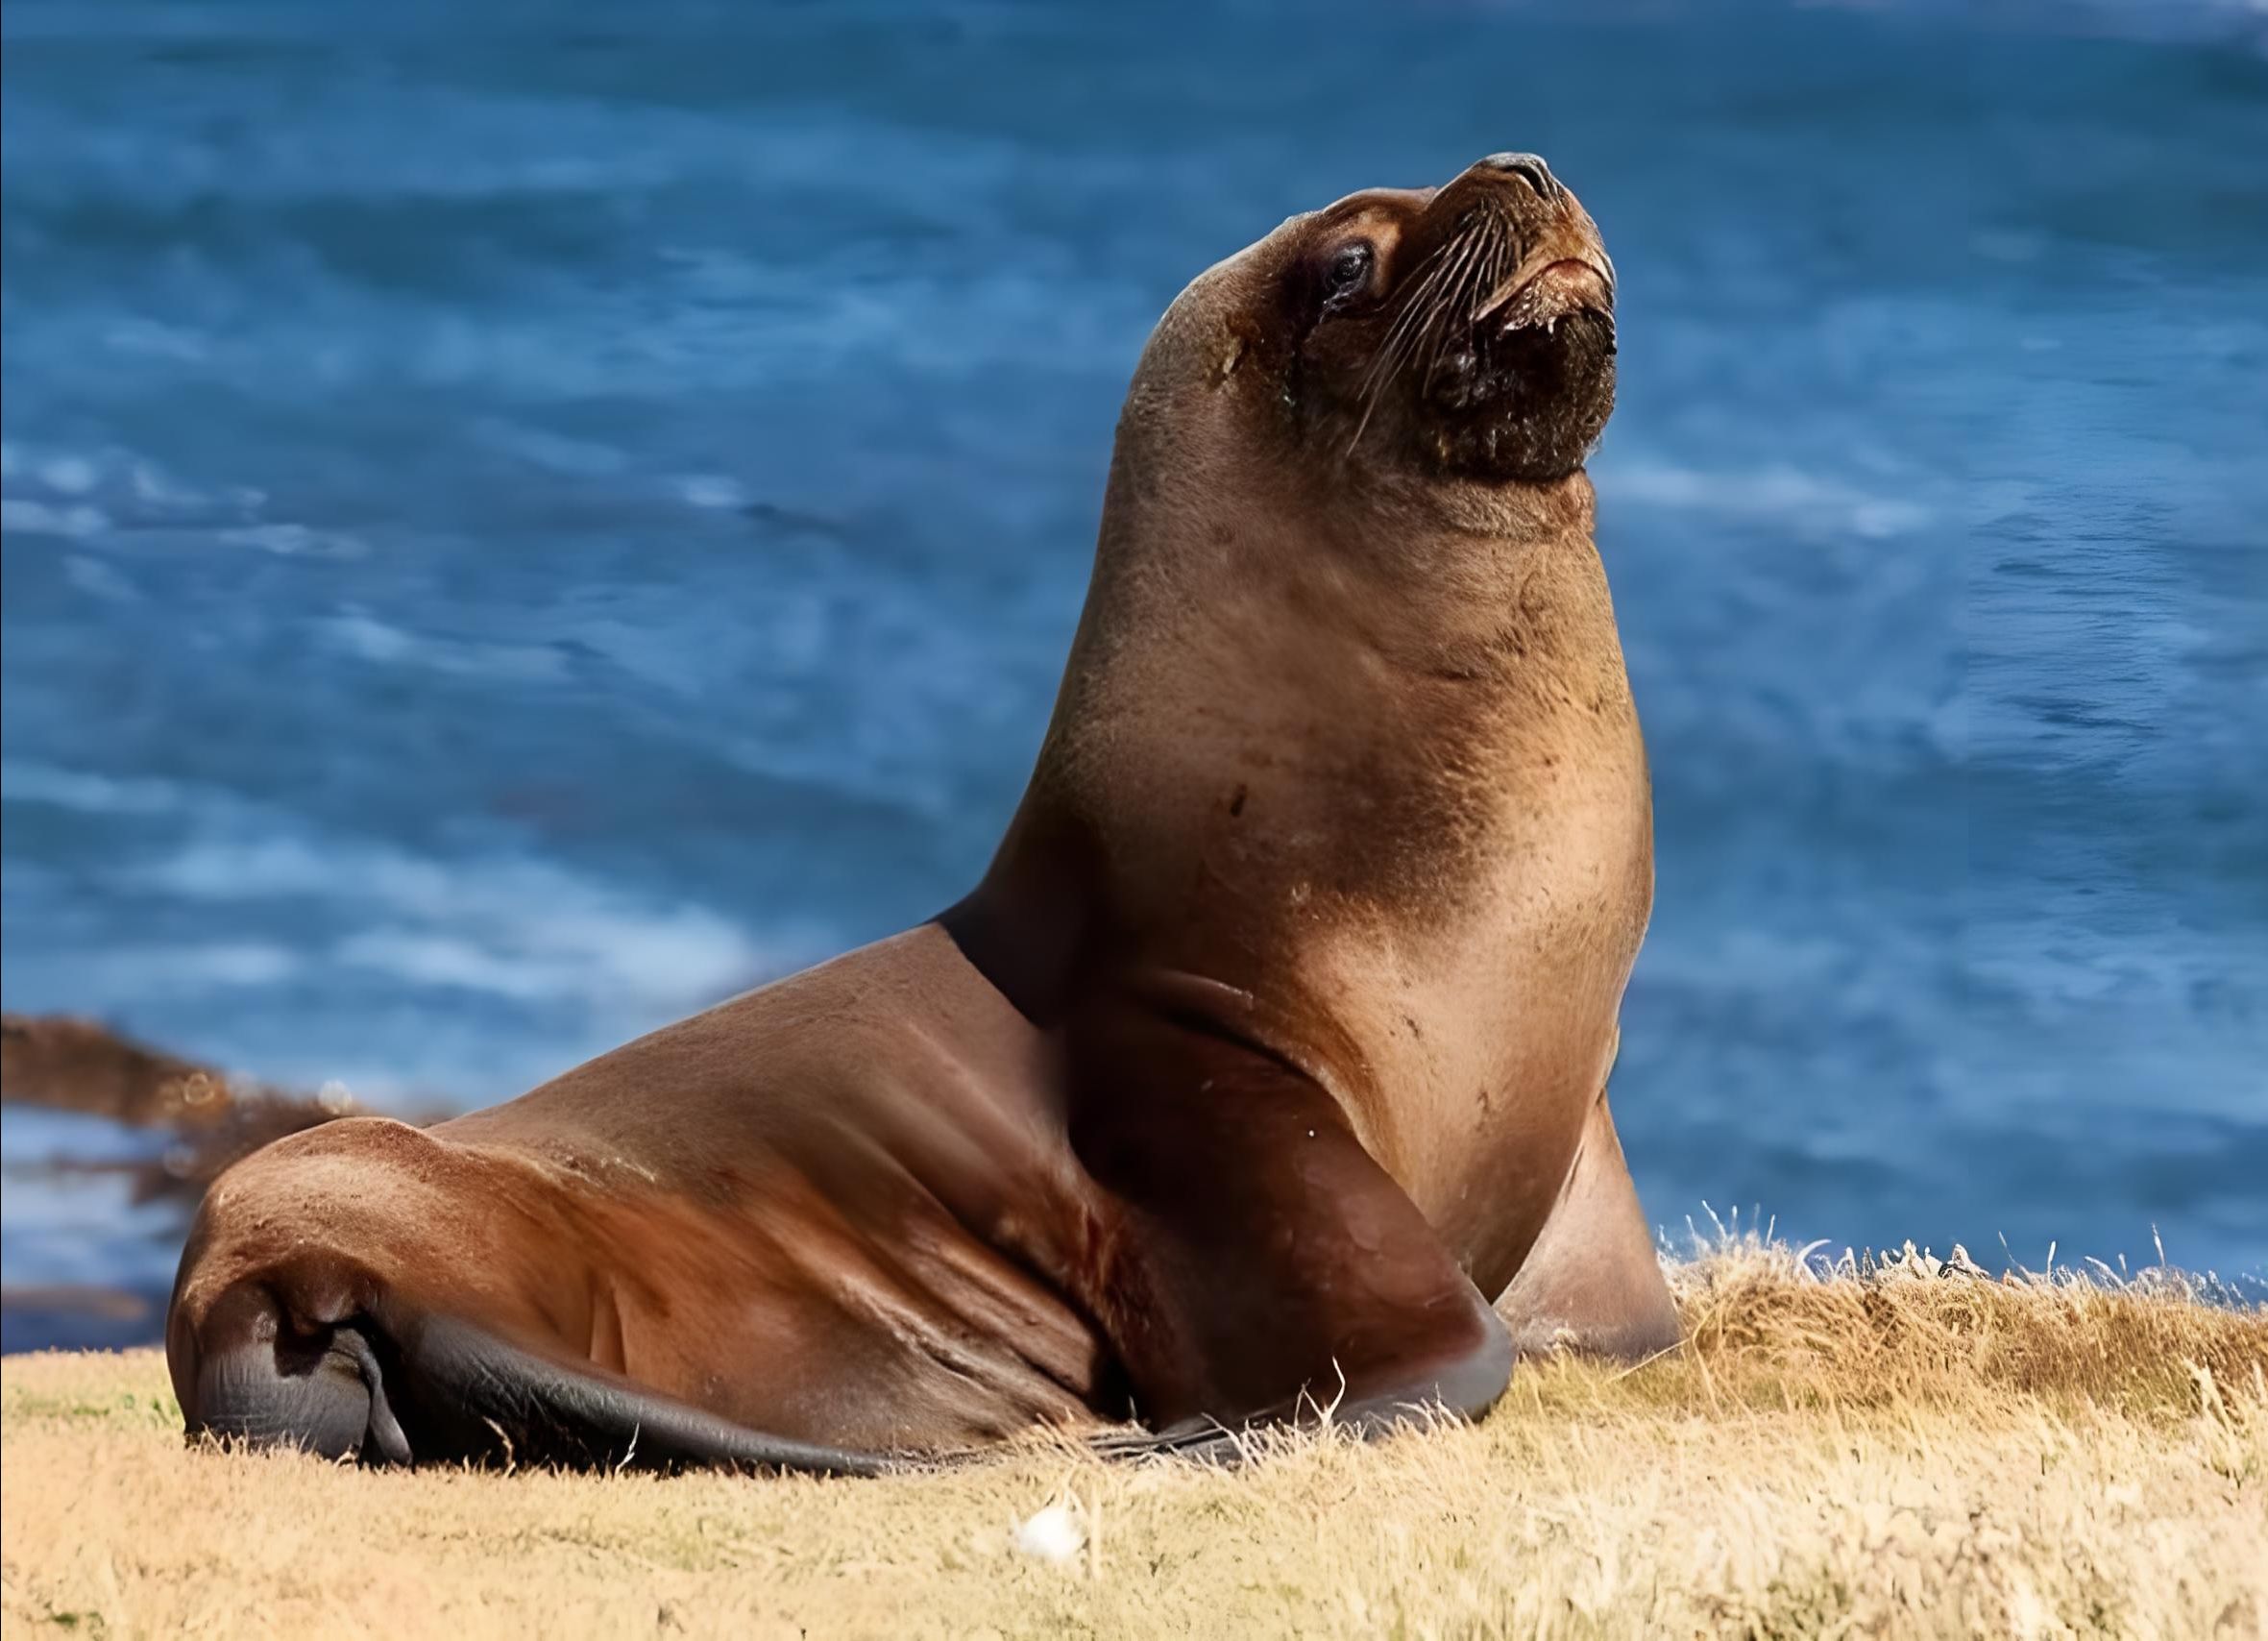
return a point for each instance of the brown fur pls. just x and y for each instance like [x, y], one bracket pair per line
[1281, 1019]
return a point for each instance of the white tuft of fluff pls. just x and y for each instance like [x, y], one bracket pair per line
[1054, 1535]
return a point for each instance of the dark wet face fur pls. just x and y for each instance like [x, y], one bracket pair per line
[1468, 330]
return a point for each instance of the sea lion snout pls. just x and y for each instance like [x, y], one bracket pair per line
[1514, 218]
[1530, 170]
[1465, 332]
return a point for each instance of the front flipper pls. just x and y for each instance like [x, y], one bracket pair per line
[1592, 1282]
[1255, 1264]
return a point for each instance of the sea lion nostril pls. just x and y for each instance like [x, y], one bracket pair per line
[1530, 170]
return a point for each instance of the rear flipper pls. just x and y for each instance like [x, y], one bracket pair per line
[1593, 1280]
[1255, 1265]
[406, 1391]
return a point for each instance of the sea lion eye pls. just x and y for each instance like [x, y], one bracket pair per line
[1348, 273]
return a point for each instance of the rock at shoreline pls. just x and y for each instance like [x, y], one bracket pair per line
[84, 1066]
[68, 1064]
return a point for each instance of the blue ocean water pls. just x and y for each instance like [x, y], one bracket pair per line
[523, 520]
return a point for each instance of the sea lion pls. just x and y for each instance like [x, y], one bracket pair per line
[1274, 1040]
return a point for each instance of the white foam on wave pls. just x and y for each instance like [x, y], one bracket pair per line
[525, 933]
[196, 967]
[504, 925]
[295, 541]
[128, 483]
[71, 475]
[367, 638]
[21, 515]
[100, 580]
[550, 450]
[152, 339]
[79, 494]
[711, 492]
[29, 781]
[1810, 504]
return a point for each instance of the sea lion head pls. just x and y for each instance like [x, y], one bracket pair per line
[1459, 332]
[1345, 572]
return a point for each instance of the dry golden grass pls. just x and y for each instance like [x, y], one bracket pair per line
[1889, 1453]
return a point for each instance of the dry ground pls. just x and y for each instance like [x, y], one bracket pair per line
[1894, 1452]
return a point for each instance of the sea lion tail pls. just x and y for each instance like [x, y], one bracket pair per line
[426, 1389]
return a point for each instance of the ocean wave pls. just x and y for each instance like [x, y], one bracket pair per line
[114, 494]
[365, 637]
[198, 966]
[504, 925]
[124, 483]
[112, 491]
[1807, 502]
[314, 906]
[295, 541]
[21, 516]
[28, 781]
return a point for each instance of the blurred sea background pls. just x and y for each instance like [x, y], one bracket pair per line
[522, 520]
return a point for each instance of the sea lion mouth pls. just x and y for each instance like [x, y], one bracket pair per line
[1492, 356]
[1564, 285]
[1510, 353]
[1518, 387]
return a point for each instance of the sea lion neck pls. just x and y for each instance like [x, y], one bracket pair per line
[1286, 692]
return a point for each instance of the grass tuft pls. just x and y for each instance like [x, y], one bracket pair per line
[1883, 1446]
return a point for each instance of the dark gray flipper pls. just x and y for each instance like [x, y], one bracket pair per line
[434, 1389]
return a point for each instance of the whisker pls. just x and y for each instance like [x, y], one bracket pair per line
[1417, 304]
[1439, 302]
[1439, 296]
[1500, 275]
[1422, 317]
[1455, 298]
[1401, 344]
